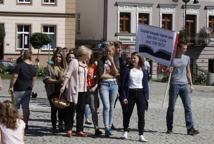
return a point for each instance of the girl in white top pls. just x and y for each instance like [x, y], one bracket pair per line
[11, 127]
[135, 91]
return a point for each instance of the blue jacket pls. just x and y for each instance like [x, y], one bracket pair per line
[125, 85]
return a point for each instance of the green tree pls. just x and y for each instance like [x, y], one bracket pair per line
[37, 40]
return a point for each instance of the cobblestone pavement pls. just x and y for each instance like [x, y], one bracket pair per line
[155, 127]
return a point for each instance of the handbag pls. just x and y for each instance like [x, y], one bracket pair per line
[60, 102]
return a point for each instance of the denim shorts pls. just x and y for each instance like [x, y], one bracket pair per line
[22, 98]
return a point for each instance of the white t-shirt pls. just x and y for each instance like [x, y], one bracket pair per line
[146, 65]
[16, 136]
[83, 71]
[107, 67]
[135, 78]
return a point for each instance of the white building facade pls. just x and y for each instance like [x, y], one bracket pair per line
[118, 20]
[21, 18]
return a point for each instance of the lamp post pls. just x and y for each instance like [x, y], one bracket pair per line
[185, 11]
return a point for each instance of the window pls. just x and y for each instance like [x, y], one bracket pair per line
[211, 24]
[191, 25]
[143, 18]
[1, 1]
[167, 21]
[52, 2]
[211, 65]
[23, 36]
[125, 22]
[50, 30]
[24, 1]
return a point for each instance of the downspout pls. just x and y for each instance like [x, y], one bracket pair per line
[105, 20]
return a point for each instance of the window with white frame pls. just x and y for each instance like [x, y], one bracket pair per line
[50, 30]
[167, 16]
[24, 1]
[131, 14]
[49, 2]
[125, 22]
[23, 36]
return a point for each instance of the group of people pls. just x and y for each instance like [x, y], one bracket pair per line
[84, 76]
[90, 76]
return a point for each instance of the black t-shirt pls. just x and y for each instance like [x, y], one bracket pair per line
[25, 72]
[19, 60]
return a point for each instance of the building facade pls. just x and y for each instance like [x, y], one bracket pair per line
[118, 20]
[21, 18]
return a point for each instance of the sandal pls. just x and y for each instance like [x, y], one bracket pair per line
[69, 133]
[82, 134]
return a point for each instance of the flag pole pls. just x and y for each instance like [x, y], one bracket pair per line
[167, 89]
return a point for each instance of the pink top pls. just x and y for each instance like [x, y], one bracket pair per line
[16, 136]
[73, 83]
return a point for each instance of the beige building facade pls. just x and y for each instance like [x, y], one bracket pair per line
[118, 20]
[22, 18]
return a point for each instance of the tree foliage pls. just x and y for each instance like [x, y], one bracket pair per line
[37, 40]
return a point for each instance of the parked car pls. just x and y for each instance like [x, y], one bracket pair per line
[6, 67]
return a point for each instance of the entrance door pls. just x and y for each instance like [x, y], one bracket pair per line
[191, 25]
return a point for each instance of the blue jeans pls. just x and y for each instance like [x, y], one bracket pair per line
[183, 91]
[22, 98]
[87, 111]
[93, 103]
[108, 94]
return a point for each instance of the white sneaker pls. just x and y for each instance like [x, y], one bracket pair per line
[142, 139]
[125, 135]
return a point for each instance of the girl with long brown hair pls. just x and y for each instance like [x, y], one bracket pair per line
[53, 82]
[135, 91]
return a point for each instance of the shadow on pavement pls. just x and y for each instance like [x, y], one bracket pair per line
[173, 133]
[40, 102]
[38, 131]
[39, 111]
[40, 120]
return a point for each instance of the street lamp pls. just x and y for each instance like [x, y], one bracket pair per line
[185, 11]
